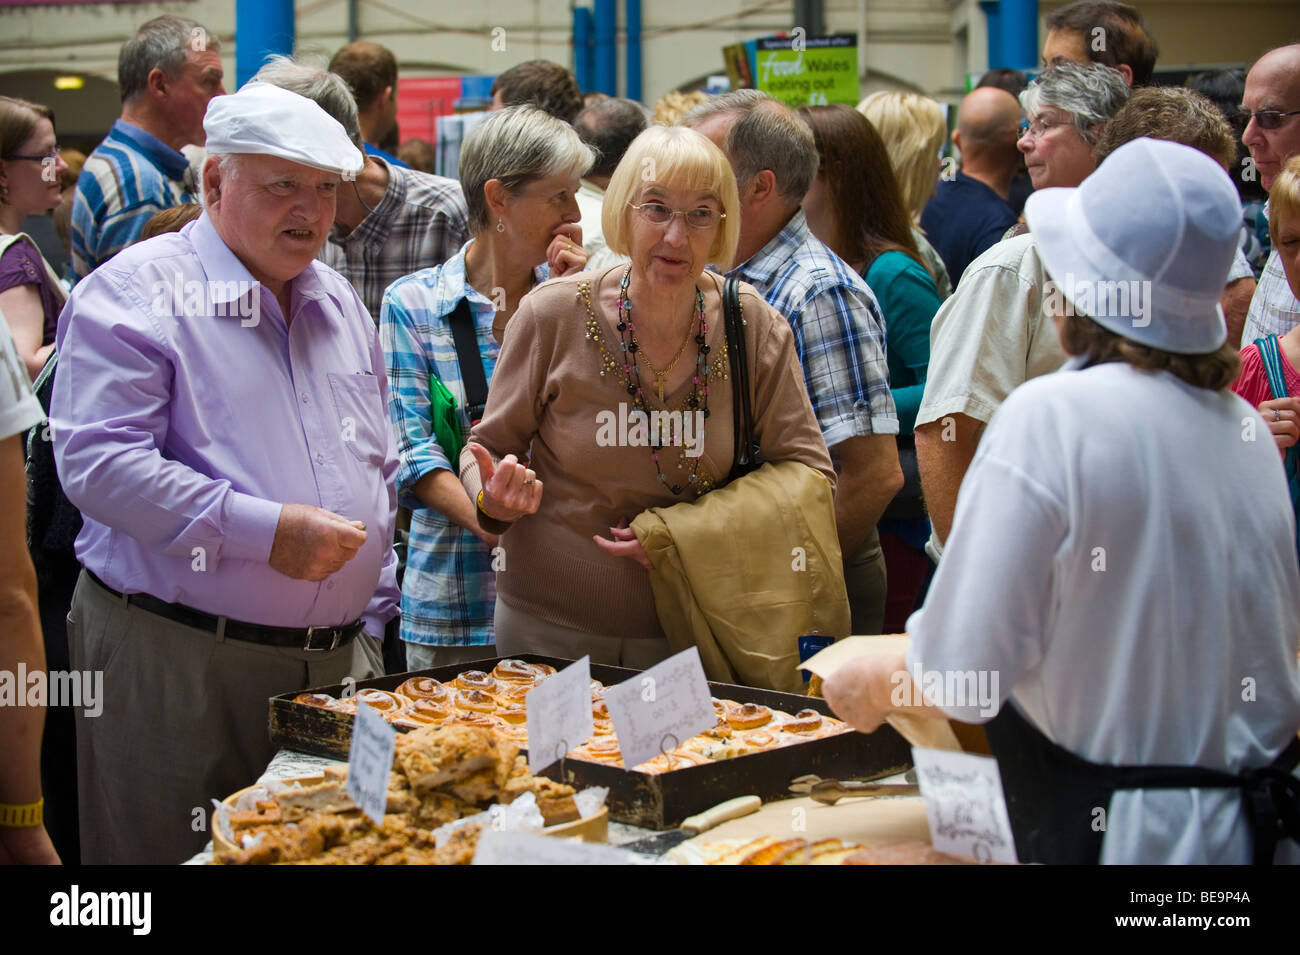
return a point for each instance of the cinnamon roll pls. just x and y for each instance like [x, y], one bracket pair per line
[515, 671]
[603, 750]
[805, 722]
[513, 713]
[425, 712]
[382, 700]
[759, 739]
[476, 680]
[515, 732]
[475, 701]
[514, 692]
[315, 699]
[749, 716]
[424, 688]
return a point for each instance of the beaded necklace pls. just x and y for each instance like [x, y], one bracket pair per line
[697, 399]
[623, 365]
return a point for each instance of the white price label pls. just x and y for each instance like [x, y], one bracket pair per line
[370, 761]
[559, 714]
[516, 848]
[964, 804]
[661, 708]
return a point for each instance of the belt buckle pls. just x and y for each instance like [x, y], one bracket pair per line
[334, 638]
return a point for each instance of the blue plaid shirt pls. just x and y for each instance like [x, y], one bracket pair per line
[449, 590]
[839, 333]
[130, 176]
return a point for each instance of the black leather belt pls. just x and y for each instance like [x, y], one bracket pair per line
[306, 638]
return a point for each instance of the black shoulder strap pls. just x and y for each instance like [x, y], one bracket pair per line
[743, 415]
[467, 356]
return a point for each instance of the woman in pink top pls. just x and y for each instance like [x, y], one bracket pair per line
[1281, 412]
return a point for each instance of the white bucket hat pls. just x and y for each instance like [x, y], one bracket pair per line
[266, 120]
[1144, 245]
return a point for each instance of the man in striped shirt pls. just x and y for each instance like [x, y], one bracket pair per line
[167, 73]
[839, 332]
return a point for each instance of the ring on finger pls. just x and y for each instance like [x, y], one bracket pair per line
[1277, 416]
[529, 481]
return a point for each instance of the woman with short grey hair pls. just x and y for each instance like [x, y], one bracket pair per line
[1066, 108]
[519, 168]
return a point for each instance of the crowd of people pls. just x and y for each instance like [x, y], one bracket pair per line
[316, 413]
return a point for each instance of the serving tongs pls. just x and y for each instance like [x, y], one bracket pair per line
[831, 791]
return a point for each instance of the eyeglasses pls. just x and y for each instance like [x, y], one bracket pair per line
[1036, 128]
[658, 213]
[1267, 118]
[52, 154]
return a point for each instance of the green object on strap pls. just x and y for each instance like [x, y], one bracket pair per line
[445, 418]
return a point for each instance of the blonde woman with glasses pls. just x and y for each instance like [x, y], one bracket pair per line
[611, 396]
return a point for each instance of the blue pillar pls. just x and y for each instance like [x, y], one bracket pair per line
[632, 65]
[1019, 21]
[262, 27]
[582, 47]
[993, 27]
[606, 58]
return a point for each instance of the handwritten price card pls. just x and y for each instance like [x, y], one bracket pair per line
[661, 708]
[370, 761]
[559, 714]
[964, 804]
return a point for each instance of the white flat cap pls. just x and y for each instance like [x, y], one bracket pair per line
[266, 120]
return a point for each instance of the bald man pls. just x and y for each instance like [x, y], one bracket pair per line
[1272, 136]
[970, 210]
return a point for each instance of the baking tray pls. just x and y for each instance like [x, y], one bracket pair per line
[652, 801]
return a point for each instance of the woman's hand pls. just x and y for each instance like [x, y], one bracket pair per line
[624, 544]
[1283, 418]
[565, 255]
[510, 490]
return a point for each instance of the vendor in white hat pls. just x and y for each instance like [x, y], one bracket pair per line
[220, 420]
[1139, 668]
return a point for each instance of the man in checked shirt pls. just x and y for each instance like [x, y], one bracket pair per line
[838, 330]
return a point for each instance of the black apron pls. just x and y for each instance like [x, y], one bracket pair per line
[1052, 794]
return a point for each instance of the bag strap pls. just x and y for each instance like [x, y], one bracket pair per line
[467, 356]
[1271, 354]
[743, 418]
[1272, 357]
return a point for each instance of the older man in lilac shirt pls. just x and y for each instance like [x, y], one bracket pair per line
[220, 419]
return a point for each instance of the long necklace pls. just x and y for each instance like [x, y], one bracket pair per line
[698, 399]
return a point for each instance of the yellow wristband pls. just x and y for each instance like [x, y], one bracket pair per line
[22, 817]
[479, 503]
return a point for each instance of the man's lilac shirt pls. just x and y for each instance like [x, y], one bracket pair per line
[179, 432]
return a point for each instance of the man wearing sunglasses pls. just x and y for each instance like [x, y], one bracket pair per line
[1272, 102]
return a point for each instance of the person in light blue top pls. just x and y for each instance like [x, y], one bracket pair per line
[167, 73]
[856, 207]
[520, 169]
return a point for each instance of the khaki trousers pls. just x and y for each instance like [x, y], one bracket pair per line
[184, 721]
[864, 578]
[421, 656]
[518, 632]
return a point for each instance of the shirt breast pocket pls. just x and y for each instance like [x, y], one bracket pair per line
[363, 419]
